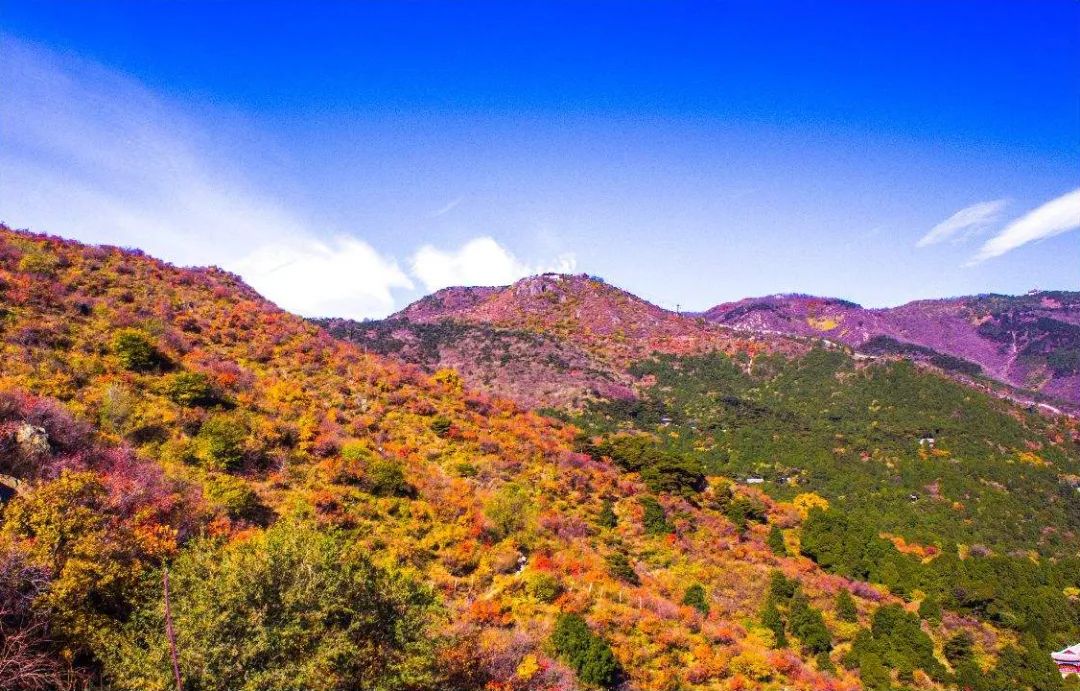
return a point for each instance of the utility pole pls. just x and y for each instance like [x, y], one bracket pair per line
[169, 633]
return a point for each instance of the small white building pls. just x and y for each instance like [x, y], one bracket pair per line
[1068, 660]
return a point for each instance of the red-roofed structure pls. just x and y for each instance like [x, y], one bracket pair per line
[1068, 660]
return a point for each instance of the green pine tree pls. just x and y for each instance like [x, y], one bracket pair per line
[773, 621]
[808, 624]
[845, 607]
[607, 517]
[589, 654]
[776, 542]
[930, 609]
[696, 597]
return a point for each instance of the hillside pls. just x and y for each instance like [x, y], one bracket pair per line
[905, 450]
[921, 461]
[937, 490]
[1029, 341]
[533, 369]
[332, 520]
[846, 427]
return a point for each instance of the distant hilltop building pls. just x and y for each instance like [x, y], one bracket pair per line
[1068, 660]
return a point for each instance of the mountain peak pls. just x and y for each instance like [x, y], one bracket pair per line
[463, 301]
[603, 319]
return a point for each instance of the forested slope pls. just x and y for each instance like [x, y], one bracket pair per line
[333, 520]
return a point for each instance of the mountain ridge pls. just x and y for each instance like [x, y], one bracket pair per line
[1030, 342]
[548, 340]
[605, 319]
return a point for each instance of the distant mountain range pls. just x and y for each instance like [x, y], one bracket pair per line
[1029, 341]
[608, 322]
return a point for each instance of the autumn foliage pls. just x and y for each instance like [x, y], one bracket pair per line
[335, 520]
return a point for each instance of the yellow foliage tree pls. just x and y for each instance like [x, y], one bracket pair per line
[807, 501]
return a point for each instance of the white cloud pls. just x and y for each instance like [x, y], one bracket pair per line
[480, 262]
[91, 154]
[1052, 218]
[344, 277]
[964, 223]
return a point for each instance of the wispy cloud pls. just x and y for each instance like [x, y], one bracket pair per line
[481, 261]
[450, 206]
[88, 153]
[964, 223]
[91, 154]
[1056, 216]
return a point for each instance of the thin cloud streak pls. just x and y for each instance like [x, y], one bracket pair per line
[91, 153]
[964, 223]
[448, 208]
[1055, 217]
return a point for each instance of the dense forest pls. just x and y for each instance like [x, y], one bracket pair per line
[909, 450]
[949, 497]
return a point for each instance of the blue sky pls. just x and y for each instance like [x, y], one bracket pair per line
[346, 158]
